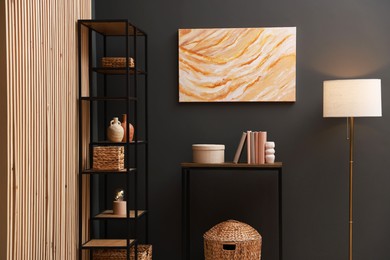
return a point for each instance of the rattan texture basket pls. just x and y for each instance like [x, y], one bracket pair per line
[230, 240]
[108, 158]
[144, 253]
[116, 62]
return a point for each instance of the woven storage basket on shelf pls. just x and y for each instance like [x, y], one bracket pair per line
[108, 158]
[144, 253]
[116, 62]
[232, 240]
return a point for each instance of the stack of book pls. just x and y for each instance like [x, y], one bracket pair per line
[255, 147]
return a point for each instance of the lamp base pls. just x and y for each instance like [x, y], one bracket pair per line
[119, 208]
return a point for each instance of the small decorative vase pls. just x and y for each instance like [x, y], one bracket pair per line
[269, 152]
[269, 158]
[124, 123]
[269, 145]
[119, 207]
[115, 131]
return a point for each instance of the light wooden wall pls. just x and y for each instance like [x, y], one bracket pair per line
[3, 136]
[42, 127]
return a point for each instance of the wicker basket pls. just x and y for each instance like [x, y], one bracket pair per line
[232, 240]
[108, 158]
[116, 62]
[144, 253]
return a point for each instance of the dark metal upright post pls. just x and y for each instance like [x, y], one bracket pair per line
[147, 141]
[135, 86]
[91, 115]
[128, 140]
[105, 133]
[185, 213]
[280, 189]
[80, 145]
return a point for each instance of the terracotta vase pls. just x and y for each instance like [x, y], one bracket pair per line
[115, 131]
[124, 123]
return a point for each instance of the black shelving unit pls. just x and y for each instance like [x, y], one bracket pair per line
[132, 101]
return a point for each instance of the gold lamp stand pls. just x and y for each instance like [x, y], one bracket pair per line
[349, 98]
[351, 137]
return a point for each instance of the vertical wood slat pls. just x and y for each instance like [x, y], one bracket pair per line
[4, 152]
[42, 131]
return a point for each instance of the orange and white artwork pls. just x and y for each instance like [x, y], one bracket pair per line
[237, 65]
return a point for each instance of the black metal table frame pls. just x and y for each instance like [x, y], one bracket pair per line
[186, 169]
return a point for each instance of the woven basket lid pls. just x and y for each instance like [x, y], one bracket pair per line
[232, 230]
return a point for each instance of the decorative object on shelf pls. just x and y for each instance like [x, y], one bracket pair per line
[119, 205]
[124, 124]
[255, 147]
[144, 252]
[116, 62]
[208, 153]
[108, 158]
[262, 139]
[352, 98]
[115, 131]
[237, 65]
[269, 152]
[232, 240]
[240, 147]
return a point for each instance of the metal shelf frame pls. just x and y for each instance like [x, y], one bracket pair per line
[187, 168]
[130, 33]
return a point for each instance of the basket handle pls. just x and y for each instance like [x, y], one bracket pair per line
[230, 247]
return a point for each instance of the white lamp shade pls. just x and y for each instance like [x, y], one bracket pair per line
[352, 98]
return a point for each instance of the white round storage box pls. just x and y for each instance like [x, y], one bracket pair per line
[208, 153]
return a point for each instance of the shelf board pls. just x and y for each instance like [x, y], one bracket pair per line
[112, 27]
[108, 214]
[107, 243]
[108, 98]
[118, 71]
[93, 171]
[232, 165]
[108, 143]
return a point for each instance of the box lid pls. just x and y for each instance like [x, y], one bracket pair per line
[232, 231]
[208, 147]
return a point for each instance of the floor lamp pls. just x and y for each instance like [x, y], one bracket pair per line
[352, 98]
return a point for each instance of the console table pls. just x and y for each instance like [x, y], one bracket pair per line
[186, 170]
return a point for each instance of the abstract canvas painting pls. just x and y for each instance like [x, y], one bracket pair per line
[237, 65]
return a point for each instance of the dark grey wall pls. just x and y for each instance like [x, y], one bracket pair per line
[335, 39]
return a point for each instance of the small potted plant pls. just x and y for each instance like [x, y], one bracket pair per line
[119, 204]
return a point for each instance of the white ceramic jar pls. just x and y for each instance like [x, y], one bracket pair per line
[115, 131]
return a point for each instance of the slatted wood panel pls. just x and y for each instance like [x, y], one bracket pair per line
[3, 136]
[42, 127]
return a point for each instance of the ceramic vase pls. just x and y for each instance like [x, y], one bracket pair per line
[115, 131]
[269, 158]
[124, 123]
[119, 207]
[269, 145]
